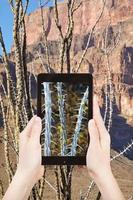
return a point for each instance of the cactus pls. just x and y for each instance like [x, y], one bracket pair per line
[63, 134]
[78, 123]
[47, 117]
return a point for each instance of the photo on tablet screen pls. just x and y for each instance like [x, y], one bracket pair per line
[64, 108]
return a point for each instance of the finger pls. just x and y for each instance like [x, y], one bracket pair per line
[98, 119]
[41, 172]
[36, 130]
[27, 131]
[93, 132]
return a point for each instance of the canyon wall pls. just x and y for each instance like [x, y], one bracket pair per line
[118, 17]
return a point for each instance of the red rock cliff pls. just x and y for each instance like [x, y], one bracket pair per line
[84, 18]
[118, 17]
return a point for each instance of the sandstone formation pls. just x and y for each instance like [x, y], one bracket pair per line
[118, 17]
[84, 18]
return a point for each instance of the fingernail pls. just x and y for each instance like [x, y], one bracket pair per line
[95, 97]
[91, 121]
[37, 119]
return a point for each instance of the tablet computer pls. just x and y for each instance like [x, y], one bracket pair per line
[64, 103]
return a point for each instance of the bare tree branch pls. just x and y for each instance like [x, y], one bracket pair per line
[6, 137]
[45, 37]
[12, 5]
[10, 85]
[89, 38]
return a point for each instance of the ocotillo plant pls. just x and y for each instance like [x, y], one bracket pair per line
[63, 136]
[78, 123]
[47, 117]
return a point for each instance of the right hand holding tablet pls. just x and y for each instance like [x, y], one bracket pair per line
[98, 155]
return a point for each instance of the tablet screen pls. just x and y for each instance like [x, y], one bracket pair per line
[64, 111]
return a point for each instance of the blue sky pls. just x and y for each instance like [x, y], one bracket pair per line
[6, 20]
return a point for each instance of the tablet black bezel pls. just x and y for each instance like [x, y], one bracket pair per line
[72, 78]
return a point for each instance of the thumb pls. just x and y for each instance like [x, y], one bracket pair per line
[40, 175]
[93, 132]
[27, 131]
[36, 130]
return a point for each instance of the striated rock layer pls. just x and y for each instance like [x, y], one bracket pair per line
[118, 17]
[84, 18]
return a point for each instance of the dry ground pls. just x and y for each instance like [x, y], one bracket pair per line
[122, 169]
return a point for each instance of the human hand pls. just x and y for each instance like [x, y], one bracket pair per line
[29, 165]
[29, 169]
[98, 154]
[98, 157]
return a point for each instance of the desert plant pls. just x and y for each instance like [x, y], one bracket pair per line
[47, 117]
[63, 134]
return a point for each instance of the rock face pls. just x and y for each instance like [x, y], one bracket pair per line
[118, 17]
[84, 18]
